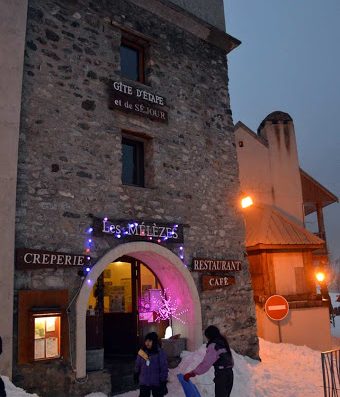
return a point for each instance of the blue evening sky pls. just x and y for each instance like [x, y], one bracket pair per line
[289, 60]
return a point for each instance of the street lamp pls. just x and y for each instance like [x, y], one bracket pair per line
[246, 202]
[320, 276]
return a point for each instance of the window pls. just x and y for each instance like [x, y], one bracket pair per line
[133, 162]
[42, 325]
[132, 61]
[46, 336]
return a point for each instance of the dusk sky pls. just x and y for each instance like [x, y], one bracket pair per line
[289, 60]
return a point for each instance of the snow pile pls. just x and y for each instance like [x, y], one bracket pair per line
[13, 391]
[285, 371]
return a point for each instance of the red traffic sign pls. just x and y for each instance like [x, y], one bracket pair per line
[276, 307]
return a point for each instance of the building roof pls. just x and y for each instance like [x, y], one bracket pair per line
[314, 193]
[269, 228]
[275, 117]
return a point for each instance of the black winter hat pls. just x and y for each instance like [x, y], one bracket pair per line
[153, 337]
[212, 332]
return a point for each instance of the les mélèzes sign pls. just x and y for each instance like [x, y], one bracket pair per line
[138, 101]
[135, 231]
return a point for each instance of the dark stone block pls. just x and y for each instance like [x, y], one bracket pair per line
[88, 105]
[55, 168]
[52, 35]
[67, 214]
[35, 15]
[92, 75]
[51, 23]
[84, 126]
[50, 54]
[88, 51]
[30, 44]
[65, 68]
[60, 18]
[84, 174]
[68, 34]
[41, 40]
[77, 48]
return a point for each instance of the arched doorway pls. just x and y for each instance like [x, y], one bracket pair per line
[121, 309]
[172, 274]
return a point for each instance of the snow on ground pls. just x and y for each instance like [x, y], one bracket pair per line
[285, 371]
[13, 391]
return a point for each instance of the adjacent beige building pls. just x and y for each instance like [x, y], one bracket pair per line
[283, 254]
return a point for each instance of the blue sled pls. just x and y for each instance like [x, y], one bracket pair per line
[189, 388]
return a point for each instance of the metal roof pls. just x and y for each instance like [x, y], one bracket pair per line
[269, 227]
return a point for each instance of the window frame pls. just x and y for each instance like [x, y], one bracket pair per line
[139, 160]
[141, 58]
[43, 301]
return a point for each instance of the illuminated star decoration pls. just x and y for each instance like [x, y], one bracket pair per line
[167, 308]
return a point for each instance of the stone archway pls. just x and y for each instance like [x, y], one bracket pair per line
[172, 274]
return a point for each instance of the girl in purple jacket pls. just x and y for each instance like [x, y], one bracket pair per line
[152, 368]
[218, 355]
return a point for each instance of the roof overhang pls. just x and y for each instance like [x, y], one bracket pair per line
[190, 22]
[314, 193]
[283, 247]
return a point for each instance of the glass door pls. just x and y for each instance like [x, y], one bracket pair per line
[119, 306]
[149, 295]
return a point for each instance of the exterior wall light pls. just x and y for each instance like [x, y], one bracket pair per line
[320, 276]
[246, 202]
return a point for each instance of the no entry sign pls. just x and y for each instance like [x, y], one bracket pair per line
[276, 307]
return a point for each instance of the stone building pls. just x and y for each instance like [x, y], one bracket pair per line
[284, 255]
[126, 134]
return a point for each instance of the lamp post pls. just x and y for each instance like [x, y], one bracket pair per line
[321, 279]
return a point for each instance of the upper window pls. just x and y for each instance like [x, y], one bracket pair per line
[132, 61]
[133, 162]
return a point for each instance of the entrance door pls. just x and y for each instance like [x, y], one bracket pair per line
[120, 308]
[116, 312]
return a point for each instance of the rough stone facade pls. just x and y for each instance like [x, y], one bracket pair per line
[70, 155]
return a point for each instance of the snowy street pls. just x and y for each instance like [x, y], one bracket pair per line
[285, 371]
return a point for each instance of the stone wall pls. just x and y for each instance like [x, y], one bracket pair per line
[70, 149]
[211, 11]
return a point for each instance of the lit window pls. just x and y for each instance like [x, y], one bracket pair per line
[46, 336]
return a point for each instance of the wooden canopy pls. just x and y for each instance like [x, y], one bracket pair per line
[315, 194]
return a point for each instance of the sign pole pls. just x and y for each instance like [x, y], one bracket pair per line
[280, 335]
[277, 309]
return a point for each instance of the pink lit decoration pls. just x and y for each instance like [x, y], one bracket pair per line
[167, 308]
[147, 316]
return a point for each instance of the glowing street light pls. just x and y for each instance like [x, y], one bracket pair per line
[320, 276]
[246, 202]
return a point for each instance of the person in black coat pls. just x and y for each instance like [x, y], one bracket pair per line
[2, 385]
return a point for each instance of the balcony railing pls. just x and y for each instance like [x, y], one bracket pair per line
[331, 373]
